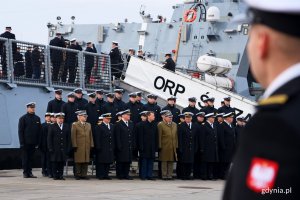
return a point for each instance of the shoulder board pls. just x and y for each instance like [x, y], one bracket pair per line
[276, 99]
[203, 123]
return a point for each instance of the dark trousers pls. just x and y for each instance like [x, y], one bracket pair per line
[122, 169]
[55, 72]
[4, 64]
[81, 169]
[146, 167]
[58, 169]
[37, 72]
[210, 170]
[88, 71]
[223, 169]
[27, 157]
[72, 74]
[186, 170]
[102, 170]
[179, 170]
[28, 71]
[46, 164]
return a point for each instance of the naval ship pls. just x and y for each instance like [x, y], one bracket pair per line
[209, 51]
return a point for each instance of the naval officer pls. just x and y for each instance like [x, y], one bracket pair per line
[268, 155]
[29, 136]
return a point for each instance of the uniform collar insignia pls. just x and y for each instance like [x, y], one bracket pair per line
[276, 99]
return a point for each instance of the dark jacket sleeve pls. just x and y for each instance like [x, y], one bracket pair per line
[21, 130]
[49, 138]
[117, 133]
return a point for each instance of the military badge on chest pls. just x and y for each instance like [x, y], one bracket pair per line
[262, 174]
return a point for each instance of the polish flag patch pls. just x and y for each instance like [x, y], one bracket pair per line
[262, 174]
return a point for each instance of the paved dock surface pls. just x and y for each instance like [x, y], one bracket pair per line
[14, 186]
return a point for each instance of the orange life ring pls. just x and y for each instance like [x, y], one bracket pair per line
[190, 15]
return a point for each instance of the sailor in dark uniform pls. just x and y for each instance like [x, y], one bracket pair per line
[7, 34]
[226, 140]
[116, 61]
[139, 98]
[169, 63]
[268, 155]
[209, 148]
[46, 165]
[171, 106]
[192, 108]
[134, 108]
[187, 146]
[111, 107]
[93, 111]
[100, 100]
[210, 106]
[55, 105]
[58, 143]
[118, 99]
[124, 141]
[198, 168]
[219, 117]
[89, 61]
[56, 54]
[240, 125]
[226, 108]
[104, 144]
[152, 106]
[181, 118]
[141, 54]
[69, 109]
[203, 107]
[81, 102]
[29, 136]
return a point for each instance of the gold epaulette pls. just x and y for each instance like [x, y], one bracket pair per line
[276, 99]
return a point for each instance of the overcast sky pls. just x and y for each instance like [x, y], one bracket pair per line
[28, 18]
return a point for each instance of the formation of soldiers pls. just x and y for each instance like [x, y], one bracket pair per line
[115, 132]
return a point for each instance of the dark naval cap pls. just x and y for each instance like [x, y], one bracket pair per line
[211, 99]
[120, 91]
[227, 98]
[283, 16]
[139, 93]
[110, 95]
[181, 116]
[99, 91]
[8, 28]
[106, 115]
[192, 99]
[31, 104]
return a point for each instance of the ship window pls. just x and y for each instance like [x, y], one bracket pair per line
[195, 37]
[202, 37]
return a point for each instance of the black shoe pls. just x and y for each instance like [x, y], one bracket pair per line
[128, 178]
[31, 176]
[45, 175]
[50, 176]
[85, 178]
[25, 176]
[143, 179]
[107, 178]
[62, 178]
[55, 178]
[151, 179]
[101, 178]
[77, 178]
[164, 179]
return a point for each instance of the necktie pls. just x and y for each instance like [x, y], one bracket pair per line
[126, 123]
[108, 126]
[212, 125]
[190, 125]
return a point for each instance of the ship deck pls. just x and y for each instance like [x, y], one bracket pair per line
[14, 186]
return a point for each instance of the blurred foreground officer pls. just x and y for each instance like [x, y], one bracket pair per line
[186, 146]
[55, 105]
[104, 144]
[29, 136]
[167, 145]
[58, 141]
[147, 145]
[46, 165]
[268, 155]
[124, 140]
[82, 142]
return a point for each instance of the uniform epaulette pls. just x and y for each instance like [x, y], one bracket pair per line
[203, 123]
[179, 123]
[273, 100]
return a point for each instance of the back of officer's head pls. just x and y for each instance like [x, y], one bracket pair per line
[274, 42]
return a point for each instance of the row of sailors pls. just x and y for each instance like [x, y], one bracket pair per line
[204, 147]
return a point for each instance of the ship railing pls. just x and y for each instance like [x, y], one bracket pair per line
[29, 63]
[52, 67]
[5, 72]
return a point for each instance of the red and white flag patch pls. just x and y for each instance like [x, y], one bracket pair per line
[262, 174]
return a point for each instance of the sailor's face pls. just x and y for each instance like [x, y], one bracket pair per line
[255, 49]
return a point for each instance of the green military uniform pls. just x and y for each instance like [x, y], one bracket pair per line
[82, 142]
[167, 144]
